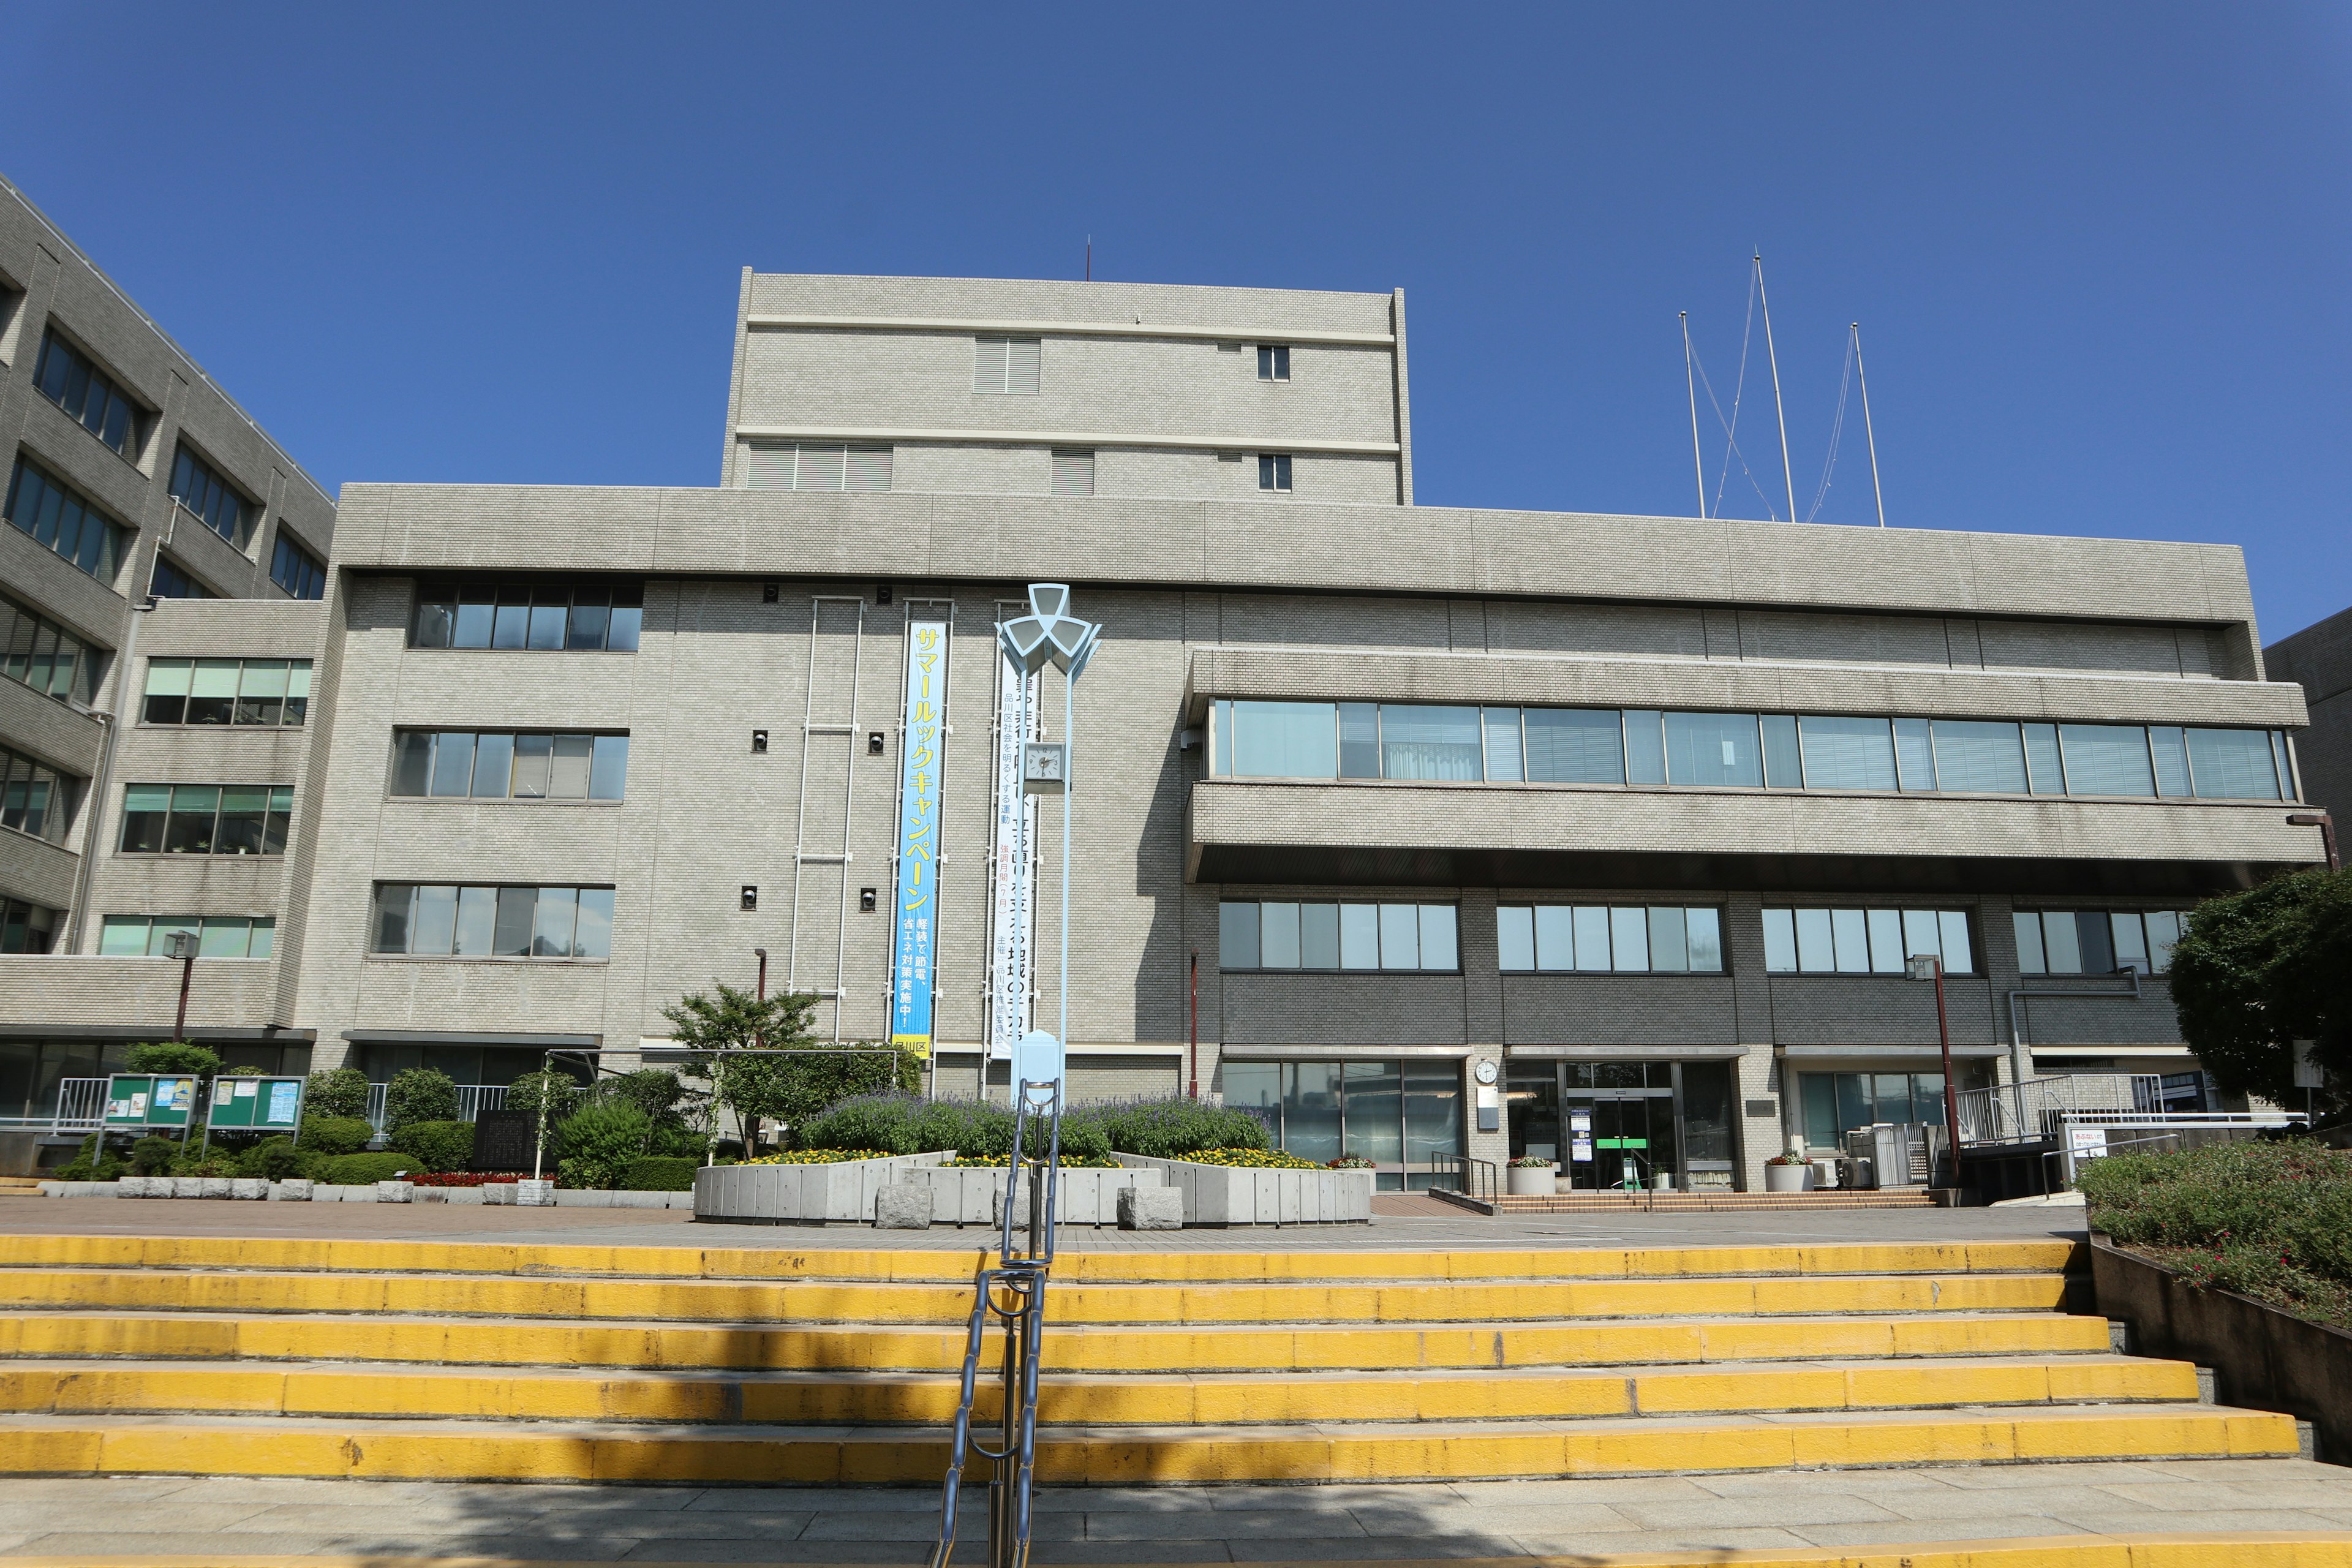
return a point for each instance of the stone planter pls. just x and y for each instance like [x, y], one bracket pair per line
[1531, 1181]
[801, 1194]
[1229, 1196]
[1787, 1178]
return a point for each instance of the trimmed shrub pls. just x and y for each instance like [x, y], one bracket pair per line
[678, 1140]
[338, 1092]
[599, 1141]
[364, 1170]
[659, 1173]
[437, 1145]
[1171, 1128]
[884, 1122]
[173, 1056]
[972, 1127]
[559, 1093]
[420, 1094]
[272, 1159]
[153, 1156]
[333, 1135]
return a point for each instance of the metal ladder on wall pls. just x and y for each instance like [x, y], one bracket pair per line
[1014, 1293]
[812, 726]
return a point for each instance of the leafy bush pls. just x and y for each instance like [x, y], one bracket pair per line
[678, 1140]
[468, 1178]
[437, 1145]
[556, 1091]
[173, 1056]
[420, 1094]
[364, 1170]
[654, 1090]
[1251, 1159]
[659, 1173]
[338, 1092]
[272, 1159]
[885, 1122]
[599, 1141]
[94, 1161]
[153, 1156]
[817, 1157]
[1171, 1128]
[2270, 1220]
[333, 1135]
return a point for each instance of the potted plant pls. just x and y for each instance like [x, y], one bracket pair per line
[1532, 1177]
[1786, 1173]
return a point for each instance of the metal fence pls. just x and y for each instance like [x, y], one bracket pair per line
[473, 1099]
[2028, 1111]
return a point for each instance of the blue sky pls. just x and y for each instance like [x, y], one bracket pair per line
[2098, 251]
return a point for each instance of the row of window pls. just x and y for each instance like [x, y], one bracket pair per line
[1282, 935]
[265, 691]
[27, 927]
[439, 920]
[166, 580]
[218, 936]
[207, 819]
[296, 570]
[211, 499]
[40, 653]
[61, 518]
[1772, 751]
[1864, 942]
[817, 466]
[1669, 939]
[2096, 942]
[1004, 365]
[494, 764]
[66, 376]
[33, 798]
[546, 616]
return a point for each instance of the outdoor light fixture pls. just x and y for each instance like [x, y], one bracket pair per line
[750, 896]
[771, 592]
[759, 740]
[882, 593]
[866, 901]
[874, 743]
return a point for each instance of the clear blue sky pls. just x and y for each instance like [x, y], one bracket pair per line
[2099, 252]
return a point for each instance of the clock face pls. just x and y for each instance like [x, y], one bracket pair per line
[1485, 1071]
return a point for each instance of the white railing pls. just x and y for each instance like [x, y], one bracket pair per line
[82, 1106]
[2029, 1111]
[473, 1099]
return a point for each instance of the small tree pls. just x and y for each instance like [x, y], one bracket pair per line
[173, 1056]
[731, 1022]
[555, 1093]
[419, 1094]
[338, 1091]
[2259, 970]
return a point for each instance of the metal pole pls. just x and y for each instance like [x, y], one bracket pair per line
[1951, 1095]
[1196, 1023]
[1699, 465]
[1027, 873]
[1069, 804]
[1868, 429]
[1787, 476]
[539, 1150]
[760, 1035]
[187, 974]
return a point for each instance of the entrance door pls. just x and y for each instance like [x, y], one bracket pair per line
[1621, 1142]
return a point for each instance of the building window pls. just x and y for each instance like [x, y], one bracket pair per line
[44, 656]
[218, 936]
[264, 691]
[1836, 1103]
[543, 617]
[491, 764]
[27, 927]
[1864, 942]
[1282, 935]
[60, 517]
[68, 378]
[210, 498]
[34, 799]
[1274, 361]
[436, 919]
[1739, 751]
[1395, 1112]
[206, 819]
[1561, 938]
[296, 570]
[1074, 471]
[2096, 942]
[168, 581]
[1274, 472]
[817, 466]
[1003, 365]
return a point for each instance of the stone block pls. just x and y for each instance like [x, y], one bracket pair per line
[253, 1189]
[903, 1205]
[498, 1192]
[134, 1186]
[187, 1186]
[293, 1190]
[217, 1186]
[395, 1191]
[538, 1195]
[1150, 1208]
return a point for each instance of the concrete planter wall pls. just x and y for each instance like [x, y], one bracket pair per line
[2260, 1356]
[969, 1194]
[799, 1195]
[1228, 1196]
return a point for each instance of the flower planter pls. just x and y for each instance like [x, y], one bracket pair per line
[844, 1194]
[1232, 1195]
[1787, 1178]
[1532, 1181]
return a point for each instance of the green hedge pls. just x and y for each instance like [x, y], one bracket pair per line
[659, 1173]
[903, 1124]
[2270, 1220]
[335, 1134]
[437, 1145]
[364, 1170]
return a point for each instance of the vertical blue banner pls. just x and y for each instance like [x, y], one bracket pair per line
[922, 743]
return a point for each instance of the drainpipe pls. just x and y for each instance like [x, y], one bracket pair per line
[78, 919]
[2017, 1035]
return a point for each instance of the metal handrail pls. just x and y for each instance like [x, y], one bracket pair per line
[1476, 1178]
[2025, 1111]
[1015, 1290]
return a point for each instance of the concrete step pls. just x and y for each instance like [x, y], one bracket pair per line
[582, 1451]
[377, 1391]
[524, 1341]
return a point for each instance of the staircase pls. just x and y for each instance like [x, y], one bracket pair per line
[446, 1361]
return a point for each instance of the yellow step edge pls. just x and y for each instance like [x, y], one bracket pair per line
[103, 1390]
[288, 1253]
[477, 1342]
[444, 1451]
[687, 1299]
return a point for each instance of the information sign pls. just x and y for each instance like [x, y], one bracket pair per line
[149, 1099]
[272, 1103]
[915, 960]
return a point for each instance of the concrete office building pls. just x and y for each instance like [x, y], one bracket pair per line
[2319, 659]
[157, 539]
[1637, 816]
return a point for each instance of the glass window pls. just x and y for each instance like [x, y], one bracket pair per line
[1669, 940]
[1629, 939]
[2163, 931]
[510, 622]
[1222, 740]
[1850, 935]
[1286, 741]
[2233, 764]
[478, 913]
[61, 519]
[1887, 948]
[1779, 942]
[590, 615]
[494, 768]
[1237, 936]
[26, 927]
[1274, 472]
[1645, 747]
[71, 379]
[43, 656]
[261, 692]
[1515, 937]
[551, 611]
[145, 810]
[2130, 939]
[1914, 754]
[2106, 759]
[211, 499]
[1979, 756]
[1310, 1109]
[1360, 936]
[1373, 1107]
[1952, 925]
[2030, 958]
[567, 777]
[1864, 942]
[1705, 927]
[1278, 935]
[1922, 933]
[518, 920]
[1359, 740]
[559, 911]
[1713, 749]
[1503, 766]
[2171, 759]
[2042, 772]
[1318, 936]
[296, 570]
[244, 813]
[1430, 742]
[1399, 937]
[533, 758]
[1574, 746]
[1439, 948]
[1784, 766]
[453, 764]
[393, 902]
[166, 580]
[196, 813]
[2062, 940]
[211, 693]
[608, 774]
[1556, 939]
[206, 819]
[1847, 753]
[1274, 361]
[1592, 924]
[436, 915]
[167, 690]
[1816, 950]
[593, 936]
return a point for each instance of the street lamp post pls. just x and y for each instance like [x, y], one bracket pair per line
[2326, 826]
[181, 946]
[1928, 966]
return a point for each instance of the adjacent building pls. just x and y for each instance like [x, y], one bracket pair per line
[1432, 831]
[2319, 659]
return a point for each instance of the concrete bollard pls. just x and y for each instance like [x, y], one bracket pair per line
[395, 1191]
[1150, 1208]
[903, 1205]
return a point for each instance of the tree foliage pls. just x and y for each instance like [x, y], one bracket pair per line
[338, 1091]
[2257, 971]
[173, 1056]
[420, 1094]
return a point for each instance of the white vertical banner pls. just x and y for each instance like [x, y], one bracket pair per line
[1012, 901]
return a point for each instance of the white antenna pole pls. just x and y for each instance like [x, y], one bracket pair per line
[1787, 477]
[1864, 377]
[1698, 466]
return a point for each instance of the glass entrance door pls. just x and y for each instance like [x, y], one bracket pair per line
[1622, 1155]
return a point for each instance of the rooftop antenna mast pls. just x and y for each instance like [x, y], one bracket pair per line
[1698, 467]
[1788, 475]
[1863, 376]
[1090, 258]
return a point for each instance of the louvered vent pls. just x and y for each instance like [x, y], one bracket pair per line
[1001, 364]
[816, 466]
[1074, 471]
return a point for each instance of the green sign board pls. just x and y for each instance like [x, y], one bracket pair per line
[149, 1099]
[270, 1103]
